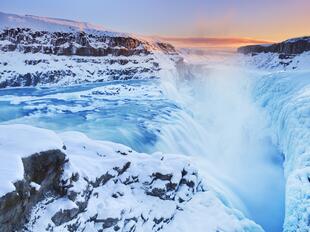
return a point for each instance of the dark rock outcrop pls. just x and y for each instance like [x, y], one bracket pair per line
[289, 47]
[166, 48]
[63, 216]
[73, 43]
[44, 169]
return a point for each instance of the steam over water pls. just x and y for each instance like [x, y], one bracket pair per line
[207, 113]
[227, 134]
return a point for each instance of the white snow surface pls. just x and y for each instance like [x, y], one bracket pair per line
[53, 24]
[70, 70]
[129, 204]
[40, 23]
[16, 142]
[272, 62]
[28, 64]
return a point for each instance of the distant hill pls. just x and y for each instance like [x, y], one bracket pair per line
[288, 47]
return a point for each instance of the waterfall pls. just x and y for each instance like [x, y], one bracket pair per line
[227, 134]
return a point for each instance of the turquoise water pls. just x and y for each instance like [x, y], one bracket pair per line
[213, 119]
[131, 112]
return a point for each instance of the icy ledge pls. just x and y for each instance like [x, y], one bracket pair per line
[68, 182]
[286, 98]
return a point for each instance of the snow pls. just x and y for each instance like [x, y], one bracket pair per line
[53, 24]
[28, 65]
[271, 62]
[203, 213]
[92, 158]
[281, 89]
[73, 70]
[70, 70]
[17, 141]
[293, 40]
[35, 186]
[206, 206]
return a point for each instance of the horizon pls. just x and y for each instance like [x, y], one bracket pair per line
[202, 29]
[154, 115]
[226, 43]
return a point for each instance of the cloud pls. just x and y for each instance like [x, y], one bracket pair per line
[211, 41]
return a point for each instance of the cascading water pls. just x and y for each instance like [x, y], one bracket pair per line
[222, 126]
[207, 113]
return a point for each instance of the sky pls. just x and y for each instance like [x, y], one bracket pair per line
[191, 20]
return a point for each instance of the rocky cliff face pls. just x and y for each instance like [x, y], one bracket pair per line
[42, 58]
[43, 169]
[32, 56]
[288, 47]
[26, 40]
[292, 54]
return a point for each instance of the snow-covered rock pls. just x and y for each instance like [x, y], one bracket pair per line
[73, 183]
[37, 51]
[278, 62]
[282, 89]
[288, 47]
[15, 145]
[290, 54]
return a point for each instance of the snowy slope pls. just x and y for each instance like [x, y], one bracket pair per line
[19, 69]
[277, 62]
[40, 51]
[290, 54]
[108, 186]
[51, 24]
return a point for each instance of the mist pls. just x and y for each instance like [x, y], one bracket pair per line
[227, 134]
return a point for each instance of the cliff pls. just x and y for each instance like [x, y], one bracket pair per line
[289, 47]
[39, 51]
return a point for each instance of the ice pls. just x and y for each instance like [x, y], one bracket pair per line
[285, 96]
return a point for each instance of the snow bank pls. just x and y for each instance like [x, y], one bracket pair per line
[112, 187]
[277, 62]
[52, 24]
[17, 68]
[17, 141]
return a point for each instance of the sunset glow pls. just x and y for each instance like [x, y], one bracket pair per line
[155, 115]
[194, 23]
[204, 42]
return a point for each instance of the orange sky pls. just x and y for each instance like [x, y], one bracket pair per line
[205, 42]
[264, 20]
